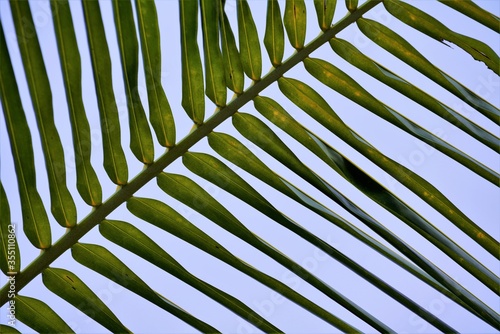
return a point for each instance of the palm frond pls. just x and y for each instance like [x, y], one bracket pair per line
[289, 135]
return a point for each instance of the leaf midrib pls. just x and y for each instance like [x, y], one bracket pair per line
[126, 191]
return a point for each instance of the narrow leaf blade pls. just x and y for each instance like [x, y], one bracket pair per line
[8, 330]
[325, 10]
[213, 170]
[133, 239]
[233, 69]
[39, 316]
[188, 192]
[10, 257]
[35, 221]
[261, 135]
[274, 37]
[87, 182]
[470, 9]
[214, 69]
[396, 45]
[339, 81]
[141, 141]
[105, 263]
[115, 163]
[193, 98]
[428, 25]
[160, 113]
[62, 206]
[69, 287]
[310, 101]
[251, 57]
[361, 61]
[295, 20]
[161, 215]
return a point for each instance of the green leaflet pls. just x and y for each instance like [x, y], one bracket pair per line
[193, 98]
[115, 163]
[351, 5]
[10, 257]
[358, 59]
[215, 76]
[251, 58]
[260, 134]
[87, 182]
[39, 316]
[430, 26]
[105, 263]
[470, 9]
[295, 20]
[311, 102]
[235, 78]
[160, 113]
[69, 287]
[325, 10]
[35, 221]
[8, 330]
[141, 141]
[164, 217]
[131, 238]
[190, 193]
[345, 85]
[400, 48]
[62, 206]
[213, 170]
[234, 151]
[274, 37]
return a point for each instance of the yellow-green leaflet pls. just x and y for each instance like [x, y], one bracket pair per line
[470, 9]
[160, 113]
[325, 10]
[87, 182]
[215, 78]
[105, 263]
[295, 20]
[62, 205]
[274, 37]
[69, 287]
[435, 29]
[35, 221]
[399, 47]
[351, 5]
[115, 163]
[235, 77]
[193, 97]
[251, 58]
[134, 240]
[141, 141]
[39, 316]
[10, 257]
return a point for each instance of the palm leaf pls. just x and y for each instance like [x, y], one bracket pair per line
[284, 138]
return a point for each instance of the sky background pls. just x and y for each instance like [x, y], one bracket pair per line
[477, 198]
